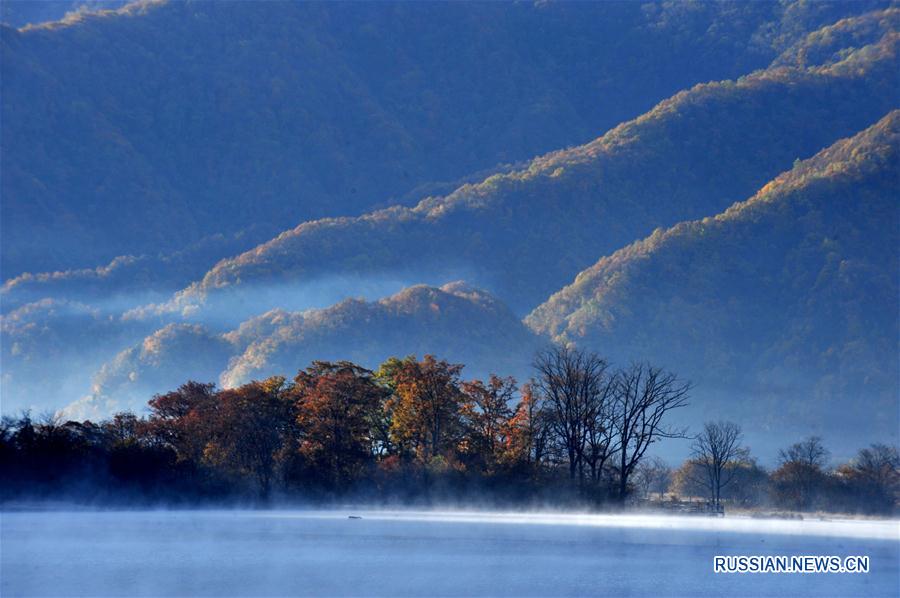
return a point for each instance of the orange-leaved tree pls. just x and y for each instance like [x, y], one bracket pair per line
[425, 408]
[485, 412]
[250, 427]
[527, 432]
[338, 415]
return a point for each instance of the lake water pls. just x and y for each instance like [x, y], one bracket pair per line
[408, 553]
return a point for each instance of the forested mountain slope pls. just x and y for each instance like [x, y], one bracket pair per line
[457, 322]
[523, 234]
[782, 309]
[149, 128]
[830, 43]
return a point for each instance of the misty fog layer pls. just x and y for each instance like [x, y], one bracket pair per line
[398, 553]
[114, 353]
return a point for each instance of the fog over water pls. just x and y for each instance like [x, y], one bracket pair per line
[411, 553]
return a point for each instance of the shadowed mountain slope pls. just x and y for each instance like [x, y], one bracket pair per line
[783, 309]
[525, 233]
[456, 321]
[148, 128]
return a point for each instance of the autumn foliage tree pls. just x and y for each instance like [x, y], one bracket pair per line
[425, 408]
[180, 419]
[337, 406]
[871, 481]
[527, 432]
[249, 429]
[485, 413]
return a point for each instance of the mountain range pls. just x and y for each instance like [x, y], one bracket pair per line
[778, 309]
[592, 199]
[736, 222]
[151, 127]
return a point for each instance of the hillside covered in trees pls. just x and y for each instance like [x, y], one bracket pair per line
[304, 110]
[523, 234]
[467, 324]
[786, 299]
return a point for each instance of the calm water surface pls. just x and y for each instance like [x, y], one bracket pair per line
[406, 553]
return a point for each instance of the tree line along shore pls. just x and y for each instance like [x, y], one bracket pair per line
[578, 433]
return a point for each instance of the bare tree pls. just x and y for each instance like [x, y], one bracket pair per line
[573, 383]
[809, 452]
[872, 479]
[642, 397]
[801, 479]
[715, 450]
[600, 438]
[880, 465]
[653, 476]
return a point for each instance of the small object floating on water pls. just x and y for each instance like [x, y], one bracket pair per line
[354, 517]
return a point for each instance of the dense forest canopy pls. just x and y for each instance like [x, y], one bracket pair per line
[221, 115]
[592, 199]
